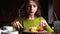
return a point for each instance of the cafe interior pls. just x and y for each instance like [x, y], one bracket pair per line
[10, 10]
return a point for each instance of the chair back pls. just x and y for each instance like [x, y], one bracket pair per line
[57, 27]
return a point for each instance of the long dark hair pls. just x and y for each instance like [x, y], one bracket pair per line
[24, 12]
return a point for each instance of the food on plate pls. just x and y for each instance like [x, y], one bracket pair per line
[36, 29]
[33, 29]
[40, 28]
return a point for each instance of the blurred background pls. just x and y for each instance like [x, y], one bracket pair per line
[9, 10]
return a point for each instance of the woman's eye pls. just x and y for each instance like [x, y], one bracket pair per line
[34, 5]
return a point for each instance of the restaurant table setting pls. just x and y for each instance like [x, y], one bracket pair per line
[35, 30]
[8, 30]
[31, 30]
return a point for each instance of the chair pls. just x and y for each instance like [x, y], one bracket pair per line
[57, 27]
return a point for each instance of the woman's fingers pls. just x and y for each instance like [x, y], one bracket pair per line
[19, 25]
[14, 25]
[43, 23]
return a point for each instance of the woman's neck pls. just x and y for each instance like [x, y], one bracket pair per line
[31, 17]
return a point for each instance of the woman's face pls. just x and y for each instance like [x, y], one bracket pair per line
[31, 7]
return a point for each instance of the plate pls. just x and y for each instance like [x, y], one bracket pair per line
[35, 32]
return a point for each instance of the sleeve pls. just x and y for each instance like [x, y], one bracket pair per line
[18, 19]
[47, 27]
[15, 20]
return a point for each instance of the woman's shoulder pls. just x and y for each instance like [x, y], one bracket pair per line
[18, 19]
[21, 18]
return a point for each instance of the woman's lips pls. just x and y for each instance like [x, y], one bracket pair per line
[31, 12]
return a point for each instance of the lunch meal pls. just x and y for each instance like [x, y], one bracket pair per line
[35, 29]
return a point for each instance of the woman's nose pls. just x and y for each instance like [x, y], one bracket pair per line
[31, 7]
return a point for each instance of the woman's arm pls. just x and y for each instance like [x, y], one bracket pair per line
[45, 25]
[17, 23]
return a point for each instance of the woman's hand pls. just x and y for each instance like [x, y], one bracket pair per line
[17, 25]
[43, 23]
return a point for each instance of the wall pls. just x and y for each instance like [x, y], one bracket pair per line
[9, 10]
[56, 8]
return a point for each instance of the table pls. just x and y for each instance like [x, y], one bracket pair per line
[28, 32]
[37, 33]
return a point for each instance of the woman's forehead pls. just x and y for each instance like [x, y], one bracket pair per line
[32, 2]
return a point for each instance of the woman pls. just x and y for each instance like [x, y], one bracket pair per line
[31, 17]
